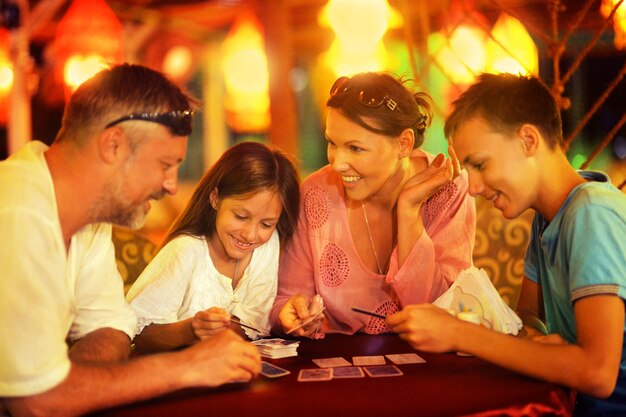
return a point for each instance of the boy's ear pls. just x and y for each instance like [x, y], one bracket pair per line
[531, 137]
[406, 142]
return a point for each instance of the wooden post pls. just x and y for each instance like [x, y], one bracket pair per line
[19, 120]
[283, 132]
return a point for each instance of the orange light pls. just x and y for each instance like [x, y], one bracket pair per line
[463, 56]
[619, 20]
[359, 26]
[246, 76]
[6, 74]
[88, 38]
[511, 49]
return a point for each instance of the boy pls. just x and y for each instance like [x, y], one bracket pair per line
[506, 131]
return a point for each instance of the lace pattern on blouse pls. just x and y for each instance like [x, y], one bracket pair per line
[316, 207]
[378, 326]
[441, 200]
[334, 266]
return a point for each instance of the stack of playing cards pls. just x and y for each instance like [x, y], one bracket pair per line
[277, 348]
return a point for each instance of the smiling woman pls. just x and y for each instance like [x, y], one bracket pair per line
[385, 224]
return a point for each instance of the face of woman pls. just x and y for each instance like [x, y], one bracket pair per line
[244, 223]
[364, 160]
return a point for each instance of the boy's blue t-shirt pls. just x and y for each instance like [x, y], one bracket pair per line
[582, 252]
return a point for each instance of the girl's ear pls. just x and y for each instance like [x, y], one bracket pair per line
[214, 198]
[531, 137]
[406, 142]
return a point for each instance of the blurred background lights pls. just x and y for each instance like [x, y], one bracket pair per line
[619, 20]
[463, 55]
[578, 160]
[510, 48]
[359, 24]
[246, 76]
[78, 69]
[177, 61]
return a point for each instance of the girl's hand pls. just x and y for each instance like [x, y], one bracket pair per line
[209, 322]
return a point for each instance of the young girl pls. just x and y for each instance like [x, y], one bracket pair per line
[220, 259]
[384, 225]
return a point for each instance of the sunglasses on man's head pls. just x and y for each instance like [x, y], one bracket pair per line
[179, 121]
[369, 96]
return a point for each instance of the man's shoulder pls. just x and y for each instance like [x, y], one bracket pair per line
[24, 177]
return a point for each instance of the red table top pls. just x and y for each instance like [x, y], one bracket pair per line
[445, 385]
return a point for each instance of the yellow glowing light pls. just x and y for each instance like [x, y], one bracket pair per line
[619, 20]
[246, 76]
[345, 61]
[6, 77]
[177, 61]
[463, 57]
[359, 24]
[80, 68]
[519, 55]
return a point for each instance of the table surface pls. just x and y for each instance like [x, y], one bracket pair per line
[445, 385]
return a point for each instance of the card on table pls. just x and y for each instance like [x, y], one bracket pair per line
[368, 360]
[331, 362]
[405, 358]
[272, 371]
[348, 372]
[317, 374]
[383, 370]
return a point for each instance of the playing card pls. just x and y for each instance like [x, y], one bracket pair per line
[317, 374]
[368, 360]
[405, 358]
[272, 371]
[348, 372]
[331, 362]
[384, 370]
[303, 322]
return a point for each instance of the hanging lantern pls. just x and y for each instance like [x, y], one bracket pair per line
[461, 55]
[511, 49]
[6, 74]
[619, 20]
[88, 39]
[359, 26]
[246, 76]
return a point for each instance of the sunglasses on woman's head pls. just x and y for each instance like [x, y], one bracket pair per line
[178, 121]
[369, 96]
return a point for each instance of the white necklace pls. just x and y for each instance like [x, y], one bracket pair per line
[369, 233]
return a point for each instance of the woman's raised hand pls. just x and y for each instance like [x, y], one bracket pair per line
[424, 184]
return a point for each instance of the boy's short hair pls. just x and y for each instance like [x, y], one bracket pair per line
[506, 102]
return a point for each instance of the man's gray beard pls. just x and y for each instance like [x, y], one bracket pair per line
[112, 207]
